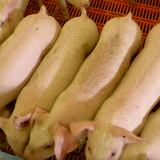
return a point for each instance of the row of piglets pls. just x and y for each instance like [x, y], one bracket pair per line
[77, 39]
[45, 128]
[113, 126]
[75, 101]
[11, 13]
[76, 3]
[22, 52]
[123, 115]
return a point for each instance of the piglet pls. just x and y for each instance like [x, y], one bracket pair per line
[148, 150]
[11, 13]
[123, 115]
[95, 81]
[56, 71]
[21, 53]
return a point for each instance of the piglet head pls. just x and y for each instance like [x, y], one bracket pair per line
[41, 142]
[104, 142]
[17, 133]
[64, 142]
[6, 13]
[48, 138]
[18, 137]
[8, 8]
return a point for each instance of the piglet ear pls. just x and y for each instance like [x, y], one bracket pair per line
[38, 112]
[22, 122]
[3, 122]
[64, 142]
[127, 136]
[10, 7]
[81, 128]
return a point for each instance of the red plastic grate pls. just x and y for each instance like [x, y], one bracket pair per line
[144, 12]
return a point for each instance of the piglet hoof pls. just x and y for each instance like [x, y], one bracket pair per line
[22, 122]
